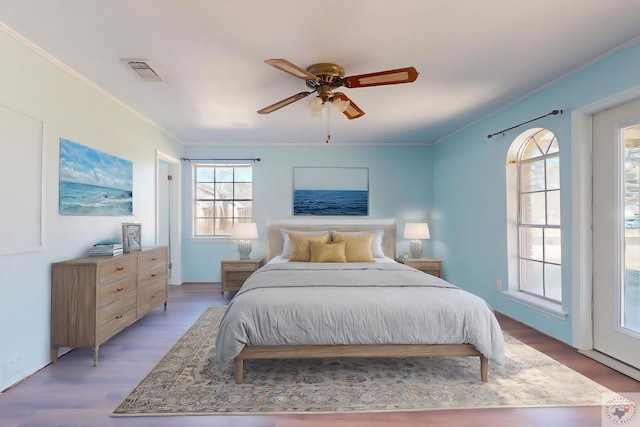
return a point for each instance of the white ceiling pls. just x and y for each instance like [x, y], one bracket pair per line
[474, 57]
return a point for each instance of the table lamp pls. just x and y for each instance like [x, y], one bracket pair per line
[243, 232]
[416, 232]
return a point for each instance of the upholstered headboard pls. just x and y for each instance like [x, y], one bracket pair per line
[389, 226]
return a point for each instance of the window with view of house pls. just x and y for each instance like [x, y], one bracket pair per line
[533, 187]
[223, 195]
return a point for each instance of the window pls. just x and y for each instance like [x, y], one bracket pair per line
[223, 195]
[538, 216]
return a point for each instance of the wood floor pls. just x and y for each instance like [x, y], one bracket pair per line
[73, 393]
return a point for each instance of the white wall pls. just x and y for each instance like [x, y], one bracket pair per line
[70, 108]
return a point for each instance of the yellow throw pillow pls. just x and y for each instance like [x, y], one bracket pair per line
[328, 252]
[300, 249]
[359, 248]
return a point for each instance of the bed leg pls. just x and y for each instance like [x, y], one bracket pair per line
[484, 368]
[238, 365]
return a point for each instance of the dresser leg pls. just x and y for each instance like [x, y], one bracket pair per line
[95, 355]
[165, 305]
[54, 354]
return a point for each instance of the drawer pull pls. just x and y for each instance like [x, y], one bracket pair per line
[119, 289]
[120, 268]
[154, 259]
[153, 296]
[154, 275]
[120, 316]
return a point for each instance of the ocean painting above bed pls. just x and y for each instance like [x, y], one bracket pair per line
[330, 191]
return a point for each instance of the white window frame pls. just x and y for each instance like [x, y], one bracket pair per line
[233, 201]
[539, 303]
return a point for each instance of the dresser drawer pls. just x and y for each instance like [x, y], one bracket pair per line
[116, 308]
[116, 269]
[152, 259]
[116, 324]
[114, 290]
[151, 275]
[151, 296]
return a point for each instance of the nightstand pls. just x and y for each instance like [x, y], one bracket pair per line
[235, 271]
[427, 265]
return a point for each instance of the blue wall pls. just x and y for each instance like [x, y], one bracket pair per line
[469, 170]
[458, 186]
[400, 186]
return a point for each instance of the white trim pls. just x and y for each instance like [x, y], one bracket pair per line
[176, 214]
[544, 306]
[629, 371]
[55, 61]
[581, 189]
[543, 87]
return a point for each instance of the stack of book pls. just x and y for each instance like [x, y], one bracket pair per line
[106, 249]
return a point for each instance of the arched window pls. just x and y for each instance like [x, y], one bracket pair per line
[535, 220]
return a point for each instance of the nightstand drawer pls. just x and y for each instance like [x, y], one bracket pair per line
[235, 272]
[430, 266]
[238, 276]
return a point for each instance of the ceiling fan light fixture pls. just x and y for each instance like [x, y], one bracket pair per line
[340, 104]
[316, 106]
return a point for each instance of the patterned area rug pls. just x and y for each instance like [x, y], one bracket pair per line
[187, 382]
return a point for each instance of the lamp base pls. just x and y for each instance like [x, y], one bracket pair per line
[416, 248]
[244, 248]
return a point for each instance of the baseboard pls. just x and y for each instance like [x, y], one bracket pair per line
[201, 283]
[619, 366]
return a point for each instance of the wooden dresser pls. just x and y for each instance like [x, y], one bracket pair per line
[94, 298]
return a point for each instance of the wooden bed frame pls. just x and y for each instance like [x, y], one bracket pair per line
[389, 246]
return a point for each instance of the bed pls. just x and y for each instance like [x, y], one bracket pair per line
[313, 305]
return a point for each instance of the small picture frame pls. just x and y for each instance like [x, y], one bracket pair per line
[131, 237]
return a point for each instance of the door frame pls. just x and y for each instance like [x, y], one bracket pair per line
[175, 213]
[581, 218]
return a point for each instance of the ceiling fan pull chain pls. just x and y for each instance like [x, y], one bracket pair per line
[328, 109]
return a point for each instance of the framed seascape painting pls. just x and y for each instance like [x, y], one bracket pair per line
[93, 182]
[330, 191]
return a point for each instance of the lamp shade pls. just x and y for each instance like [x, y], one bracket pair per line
[416, 231]
[244, 231]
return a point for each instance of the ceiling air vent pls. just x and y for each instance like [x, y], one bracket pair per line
[142, 69]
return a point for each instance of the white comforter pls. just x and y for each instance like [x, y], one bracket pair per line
[354, 303]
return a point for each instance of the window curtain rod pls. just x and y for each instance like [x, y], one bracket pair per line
[257, 159]
[553, 113]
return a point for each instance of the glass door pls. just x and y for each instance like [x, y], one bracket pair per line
[616, 233]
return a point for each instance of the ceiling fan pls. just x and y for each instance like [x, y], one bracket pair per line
[323, 78]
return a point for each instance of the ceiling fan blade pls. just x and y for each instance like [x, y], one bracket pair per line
[290, 100]
[389, 77]
[352, 111]
[291, 68]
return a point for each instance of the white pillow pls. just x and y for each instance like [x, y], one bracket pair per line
[286, 242]
[376, 243]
